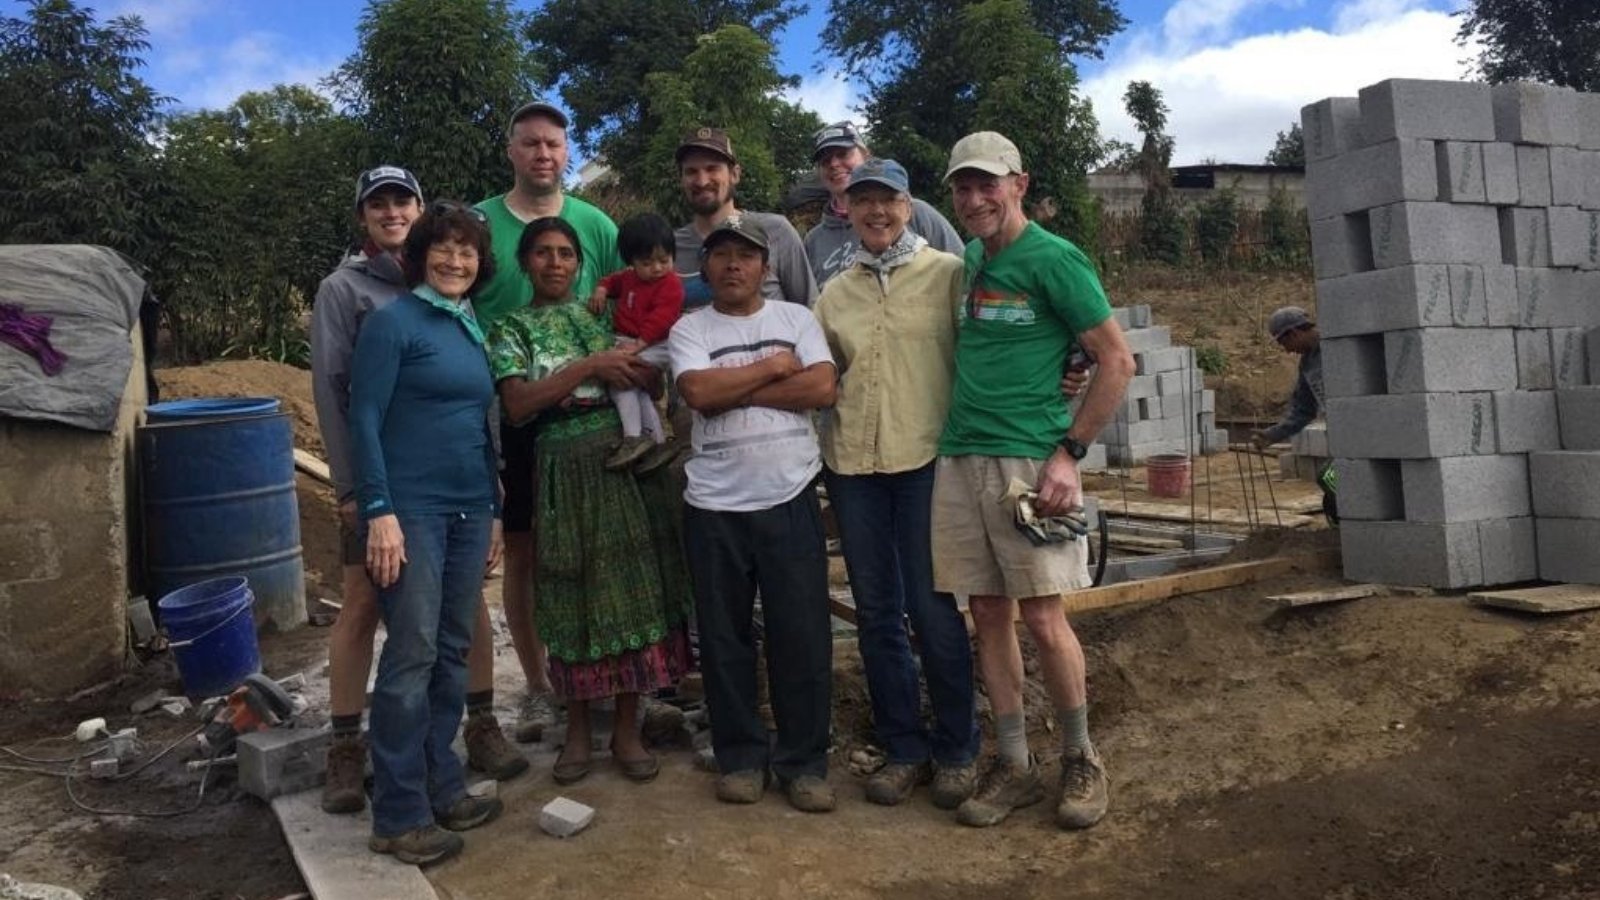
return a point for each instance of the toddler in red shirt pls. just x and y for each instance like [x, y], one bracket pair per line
[646, 299]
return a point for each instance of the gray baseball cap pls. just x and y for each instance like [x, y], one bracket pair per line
[381, 176]
[1285, 320]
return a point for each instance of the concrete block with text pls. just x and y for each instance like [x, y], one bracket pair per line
[1456, 241]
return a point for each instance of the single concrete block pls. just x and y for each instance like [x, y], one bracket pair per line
[1525, 236]
[1390, 172]
[1509, 551]
[1433, 110]
[1465, 488]
[1168, 359]
[1500, 174]
[1370, 490]
[1411, 426]
[1311, 441]
[1460, 168]
[1526, 421]
[1139, 316]
[1448, 359]
[1408, 233]
[1341, 245]
[1535, 369]
[1589, 171]
[1353, 366]
[1588, 121]
[1569, 356]
[562, 817]
[1385, 300]
[1566, 484]
[1569, 167]
[1441, 555]
[1119, 314]
[1579, 411]
[1566, 550]
[282, 760]
[1554, 298]
[1331, 127]
[1530, 113]
[1173, 384]
[1141, 386]
[1533, 176]
[1157, 337]
[1483, 296]
[1574, 237]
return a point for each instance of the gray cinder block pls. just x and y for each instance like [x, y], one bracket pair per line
[1566, 484]
[1591, 347]
[1448, 359]
[1390, 172]
[1589, 121]
[1173, 384]
[1526, 421]
[1574, 237]
[1533, 176]
[1411, 426]
[1569, 167]
[1465, 488]
[1579, 411]
[1370, 490]
[1167, 359]
[1141, 386]
[1483, 296]
[1525, 236]
[1569, 356]
[1509, 551]
[1567, 550]
[1139, 315]
[562, 817]
[1157, 337]
[1530, 113]
[1331, 127]
[1341, 245]
[1535, 369]
[282, 760]
[1432, 110]
[1552, 298]
[1407, 233]
[1500, 174]
[1442, 555]
[1353, 366]
[1384, 300]
[1460, 168]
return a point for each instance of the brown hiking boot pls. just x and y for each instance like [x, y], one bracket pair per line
[742, 787]
[808, 793]
[1001, 788]
[952, 785]
[422, 847]
[488, 751]
[470, 812]
[344, 791]
[894, 782]
[1085, 789]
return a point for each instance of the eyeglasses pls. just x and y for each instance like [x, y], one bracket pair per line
[441, 207]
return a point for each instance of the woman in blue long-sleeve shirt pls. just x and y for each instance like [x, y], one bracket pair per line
[426, 491]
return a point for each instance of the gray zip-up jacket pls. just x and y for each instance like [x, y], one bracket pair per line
[359, 286]
[831, 244]
[1305, 404]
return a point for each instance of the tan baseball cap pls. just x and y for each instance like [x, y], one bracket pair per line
[986, 151]
[712, 140]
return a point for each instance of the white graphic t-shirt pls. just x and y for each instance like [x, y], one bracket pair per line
[754, 457]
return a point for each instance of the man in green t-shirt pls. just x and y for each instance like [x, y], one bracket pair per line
[536, 145]
[1031, 296]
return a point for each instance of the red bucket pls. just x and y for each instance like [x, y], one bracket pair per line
[1168, 475]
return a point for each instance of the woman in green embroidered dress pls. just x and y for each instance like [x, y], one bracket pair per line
[613, 593]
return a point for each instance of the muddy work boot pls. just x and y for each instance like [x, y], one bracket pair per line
[893, 783]
[469, 812]
[422, 847]
[538, 713]
[344, 790]
[811, 794]
[489, 752]
[1085, 789]
[1001, 788]
[952, 785]
[746, 786]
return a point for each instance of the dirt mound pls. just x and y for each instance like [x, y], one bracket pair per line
[250, 378]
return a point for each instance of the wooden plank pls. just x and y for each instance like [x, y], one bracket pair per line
[1147, 544]
[842, 604]
[1173, 512]
[1313, 598]
[311, 465]
[332, 854]
[1198, 581]
[1555, 598]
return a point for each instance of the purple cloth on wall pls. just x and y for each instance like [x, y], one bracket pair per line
[30, 333]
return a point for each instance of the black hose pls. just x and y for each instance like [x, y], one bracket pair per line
[1105, 549]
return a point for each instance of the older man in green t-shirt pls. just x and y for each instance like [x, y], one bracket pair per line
[1031, 297]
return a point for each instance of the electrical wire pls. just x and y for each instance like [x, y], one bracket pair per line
[73, 774]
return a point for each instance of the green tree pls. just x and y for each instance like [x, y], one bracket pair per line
[1554, 41]
[75, 159]
[937, 71]
[1285, 230]
[1289, 149]
[1216, 225]
[730, 80]
[1161, 232]
[433, 83]
[600, 54]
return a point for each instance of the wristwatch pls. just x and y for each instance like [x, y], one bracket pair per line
[1074, 447]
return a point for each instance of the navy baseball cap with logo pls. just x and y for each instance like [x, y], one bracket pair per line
[383, 176]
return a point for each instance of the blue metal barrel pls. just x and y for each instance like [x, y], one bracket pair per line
[217, 479]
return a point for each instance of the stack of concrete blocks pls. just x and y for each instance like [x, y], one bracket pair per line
[1456, 239]
[1308, 453]
[1167, 408]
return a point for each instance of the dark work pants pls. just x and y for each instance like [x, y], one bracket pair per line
[780, 552]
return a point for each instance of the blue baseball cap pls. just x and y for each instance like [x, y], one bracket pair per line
[885, 172]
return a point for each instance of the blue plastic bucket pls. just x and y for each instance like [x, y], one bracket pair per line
[212, 635]
[210, 407]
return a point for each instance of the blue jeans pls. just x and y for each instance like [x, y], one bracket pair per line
[422, 676]
[885, 524]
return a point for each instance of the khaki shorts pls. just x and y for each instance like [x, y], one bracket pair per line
[977, 549]
[352, 545]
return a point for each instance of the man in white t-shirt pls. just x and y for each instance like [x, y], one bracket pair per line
[752, 372]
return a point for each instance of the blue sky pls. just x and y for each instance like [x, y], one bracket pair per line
[1234, 72]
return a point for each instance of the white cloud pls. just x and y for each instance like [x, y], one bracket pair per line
[1190, 23]
[828, 95]
[1228, 102]
[163, 18]
[212, 77]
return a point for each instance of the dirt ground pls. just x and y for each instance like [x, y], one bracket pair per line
[1397, 746]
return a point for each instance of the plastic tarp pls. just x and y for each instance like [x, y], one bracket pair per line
[93, 296]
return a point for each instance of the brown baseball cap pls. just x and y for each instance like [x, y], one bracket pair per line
[713, 140]
[736, 226]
